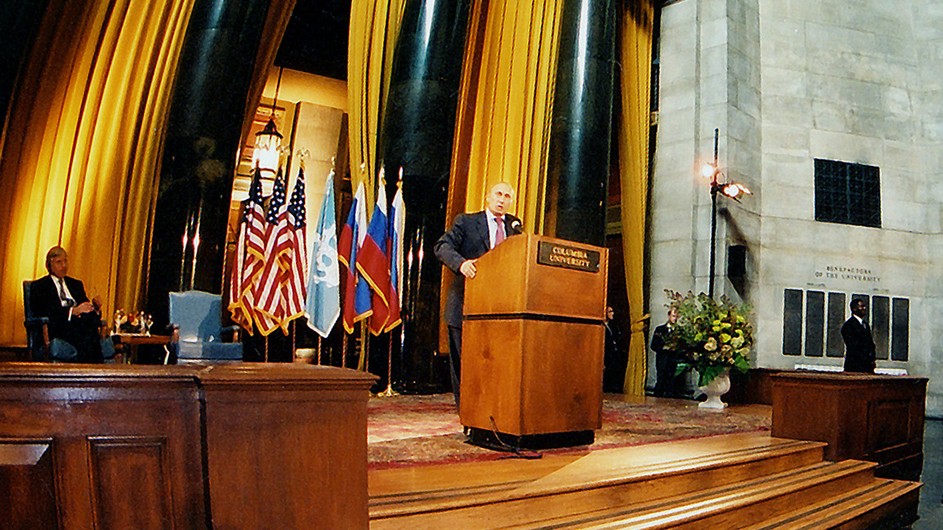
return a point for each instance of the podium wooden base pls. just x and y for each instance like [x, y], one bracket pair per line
[500, 441]
[524, 377]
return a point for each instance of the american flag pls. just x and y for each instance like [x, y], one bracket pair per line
[269, 292]
[298, 268]
[249, 259]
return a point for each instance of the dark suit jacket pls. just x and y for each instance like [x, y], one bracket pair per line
[659, 336]
[44, 302]
[859, 347]
[467, 239]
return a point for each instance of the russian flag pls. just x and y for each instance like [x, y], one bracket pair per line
[373, 263]
[395, 252]
[352, 236]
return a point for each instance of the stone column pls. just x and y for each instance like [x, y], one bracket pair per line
[417, 134]
[18, 27]
[578, 163]
[202, 140]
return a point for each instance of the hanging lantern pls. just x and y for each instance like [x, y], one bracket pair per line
[268, 142]
[267, 150]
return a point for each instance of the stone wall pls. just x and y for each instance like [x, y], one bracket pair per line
[786, 83]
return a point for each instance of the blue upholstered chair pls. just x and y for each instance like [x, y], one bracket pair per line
[37, 329]
[196, 317]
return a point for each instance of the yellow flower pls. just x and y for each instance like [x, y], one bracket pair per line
[725, 338]
[711, 344]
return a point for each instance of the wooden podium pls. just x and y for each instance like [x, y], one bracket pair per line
[533, 339]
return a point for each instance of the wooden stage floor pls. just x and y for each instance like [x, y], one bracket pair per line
[726, 481]
[592, 463]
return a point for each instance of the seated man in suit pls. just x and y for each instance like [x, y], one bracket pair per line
[859, 345]
[472, 235]
[73, 318]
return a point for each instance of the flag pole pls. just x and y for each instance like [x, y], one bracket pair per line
[319, 350]
[265, 352]
[364, 362]
[344, 338]
[389, 392]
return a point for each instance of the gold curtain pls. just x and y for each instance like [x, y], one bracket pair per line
[374, 26]
[80, 157]
[635, 78]
[505, 105]
[502, 127]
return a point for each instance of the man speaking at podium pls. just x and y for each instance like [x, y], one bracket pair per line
[471, 235]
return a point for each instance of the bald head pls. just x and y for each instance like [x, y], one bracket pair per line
[500, 198]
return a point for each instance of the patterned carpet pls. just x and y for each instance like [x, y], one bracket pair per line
[420, 430]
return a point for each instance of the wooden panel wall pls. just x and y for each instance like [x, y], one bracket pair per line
[124, 442]
[27, 478]
[868, 417]
[131, 446]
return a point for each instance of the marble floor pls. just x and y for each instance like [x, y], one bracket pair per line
[931, 509]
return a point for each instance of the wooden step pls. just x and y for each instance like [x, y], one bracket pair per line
[891, 502]
[592, 483]
[733, 505]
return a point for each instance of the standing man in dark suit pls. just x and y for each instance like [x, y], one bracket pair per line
[615, 358]
[666, 359]
[459, 248]
[73, 318]
[859, 345]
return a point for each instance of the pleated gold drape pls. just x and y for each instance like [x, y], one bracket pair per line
[635, 78]
[81, 152]
[374, 27]
[505, 105]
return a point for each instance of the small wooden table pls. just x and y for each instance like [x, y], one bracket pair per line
[129, 342]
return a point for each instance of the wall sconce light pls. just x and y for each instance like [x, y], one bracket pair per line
[729, 189]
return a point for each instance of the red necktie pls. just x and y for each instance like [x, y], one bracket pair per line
[499, 234]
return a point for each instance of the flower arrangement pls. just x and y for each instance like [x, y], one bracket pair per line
[712, 336]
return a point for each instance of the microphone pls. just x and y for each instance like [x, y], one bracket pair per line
[516, 226]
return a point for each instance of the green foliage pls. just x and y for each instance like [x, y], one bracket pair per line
[712, 336]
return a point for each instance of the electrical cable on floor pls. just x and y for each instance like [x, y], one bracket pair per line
[504, 446]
